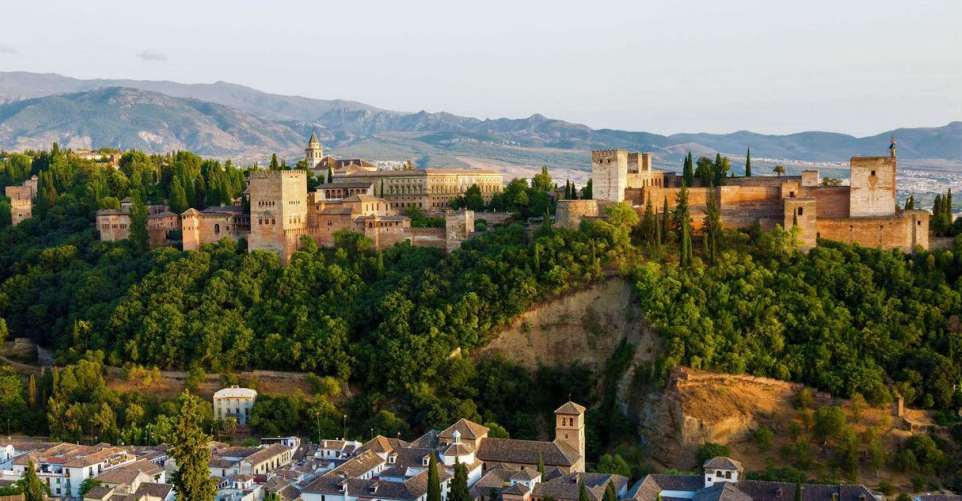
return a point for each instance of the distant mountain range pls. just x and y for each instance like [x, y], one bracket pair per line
[229, 120]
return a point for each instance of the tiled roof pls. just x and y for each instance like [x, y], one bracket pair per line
[382, 444]
[458, 450]
[128, 473]
[567, 486]
[723, 491]
[759, 490]
[649, 487]
[469, 430]
[265, 454]
[509, 450]
[722, 463]
[154, 490]
[235, 392]
[570, 408]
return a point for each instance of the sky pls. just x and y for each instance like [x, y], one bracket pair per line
[854, 66]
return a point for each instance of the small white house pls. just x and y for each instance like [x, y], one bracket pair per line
[722, 469]
[234, 402]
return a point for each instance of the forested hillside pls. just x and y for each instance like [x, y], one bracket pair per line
[389, 336]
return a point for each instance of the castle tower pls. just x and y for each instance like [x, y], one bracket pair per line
[314, 152]
[570, 430]
[278, 211]
[872, 191]
[609, 175]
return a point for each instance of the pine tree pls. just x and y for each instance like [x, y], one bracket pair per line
[33, 488]
[139, 235]
[459, 484]
[189, 449]
[434, 481]
[748, 163]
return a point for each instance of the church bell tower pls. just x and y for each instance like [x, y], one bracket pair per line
[314, 152]
[570, 428]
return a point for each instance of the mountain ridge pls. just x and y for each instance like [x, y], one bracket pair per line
[358, 129]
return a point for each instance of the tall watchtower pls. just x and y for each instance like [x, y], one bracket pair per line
[314, 152]
[872, 191]
[278, 210]
[609, 175]
[570, 427]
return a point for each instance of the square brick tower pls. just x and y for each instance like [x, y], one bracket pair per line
[278, 211]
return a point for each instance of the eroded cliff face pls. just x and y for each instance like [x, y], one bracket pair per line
[699, 407]
[584, 326]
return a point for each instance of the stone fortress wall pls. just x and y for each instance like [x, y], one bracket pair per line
[864, 212]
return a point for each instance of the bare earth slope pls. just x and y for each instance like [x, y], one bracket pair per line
[584, 326]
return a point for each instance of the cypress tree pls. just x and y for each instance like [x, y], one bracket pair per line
[712, 228]
[948, 203]
[31, 390]
[610, 494]
[178, 197]
[33, 488]
[686, 254]
[748, 163]
[459, 484]
[138, 224]
[798, 491]
[434, 481]
[648, 223]
[330, 175]
[541, 465]
[274, 165]
[687, 172]
[681, 215]
[582, 491]
[189, 448]
[665, 220]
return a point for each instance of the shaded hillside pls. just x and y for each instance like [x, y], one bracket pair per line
[129, 118]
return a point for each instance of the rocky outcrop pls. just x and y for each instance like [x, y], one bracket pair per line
[584, 327]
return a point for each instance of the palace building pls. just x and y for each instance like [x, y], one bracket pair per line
[864, 212]
[282, 211]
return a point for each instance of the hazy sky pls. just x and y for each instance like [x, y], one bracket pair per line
[665, 66]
